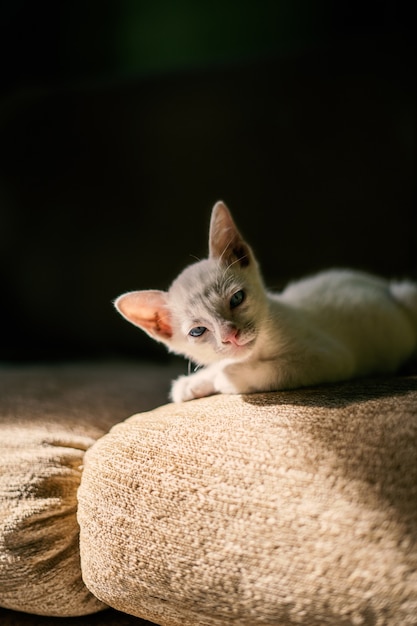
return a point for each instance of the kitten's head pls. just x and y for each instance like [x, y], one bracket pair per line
[215, 307]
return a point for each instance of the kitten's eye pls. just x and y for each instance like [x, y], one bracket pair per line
[197, 331]
[237, 298]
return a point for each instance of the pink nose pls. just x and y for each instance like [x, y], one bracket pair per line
[230, 336]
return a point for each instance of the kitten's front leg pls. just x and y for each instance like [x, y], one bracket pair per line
[206, 382]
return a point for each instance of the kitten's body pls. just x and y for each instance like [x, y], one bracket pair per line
[334, 326]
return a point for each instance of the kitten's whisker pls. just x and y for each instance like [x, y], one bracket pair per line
[192, 366]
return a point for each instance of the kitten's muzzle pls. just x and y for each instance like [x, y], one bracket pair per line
[233, 336]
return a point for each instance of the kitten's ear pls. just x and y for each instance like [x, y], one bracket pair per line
[148, 310]
[225, 241]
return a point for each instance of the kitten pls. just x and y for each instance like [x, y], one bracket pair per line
[333, 326]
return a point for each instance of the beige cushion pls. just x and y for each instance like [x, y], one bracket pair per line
[49, 417]
[281, 508]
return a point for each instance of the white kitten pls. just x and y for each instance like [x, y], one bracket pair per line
[334, 326]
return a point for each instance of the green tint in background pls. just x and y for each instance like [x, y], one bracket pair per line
[163, 34]
[58, 41]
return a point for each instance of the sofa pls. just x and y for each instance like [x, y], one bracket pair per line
[283, 508]
[119, 129]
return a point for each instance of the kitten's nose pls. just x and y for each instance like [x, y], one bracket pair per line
[230, 336]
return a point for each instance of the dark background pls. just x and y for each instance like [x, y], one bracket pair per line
[121, 123]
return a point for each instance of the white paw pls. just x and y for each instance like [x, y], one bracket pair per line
[190, 387]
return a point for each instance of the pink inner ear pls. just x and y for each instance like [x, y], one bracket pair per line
[148, 310]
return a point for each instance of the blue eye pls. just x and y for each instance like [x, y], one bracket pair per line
[197, 331]
[237, 298]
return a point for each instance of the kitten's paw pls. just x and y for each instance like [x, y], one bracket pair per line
[191, 387]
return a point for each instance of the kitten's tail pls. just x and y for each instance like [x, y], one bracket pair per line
[405, 293]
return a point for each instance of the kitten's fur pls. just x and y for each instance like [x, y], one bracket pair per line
[334, 326]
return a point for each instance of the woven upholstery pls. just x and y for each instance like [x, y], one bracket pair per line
[281, 508]
[49, 417]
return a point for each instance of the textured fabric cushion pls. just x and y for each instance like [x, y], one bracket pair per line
[49, 416]
[281, 508]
